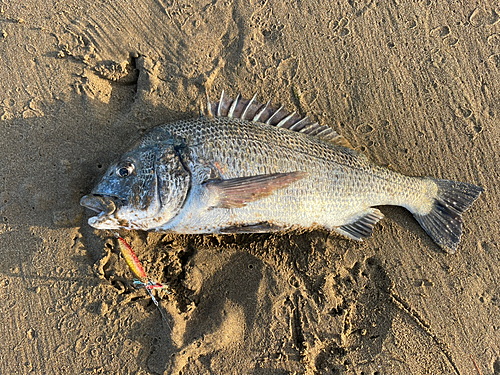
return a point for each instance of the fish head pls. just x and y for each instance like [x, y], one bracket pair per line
[145, 189]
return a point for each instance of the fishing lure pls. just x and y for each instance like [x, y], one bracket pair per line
[141, 279]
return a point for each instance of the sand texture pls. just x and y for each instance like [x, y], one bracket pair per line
[414, 85]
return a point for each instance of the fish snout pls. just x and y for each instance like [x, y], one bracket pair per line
[102, 204]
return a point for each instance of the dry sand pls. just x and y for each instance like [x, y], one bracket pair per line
[414, 85]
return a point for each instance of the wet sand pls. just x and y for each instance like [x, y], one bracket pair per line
[412, 85]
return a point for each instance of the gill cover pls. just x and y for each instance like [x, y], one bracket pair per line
[173, 179]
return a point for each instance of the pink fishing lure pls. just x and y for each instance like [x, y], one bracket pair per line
[137, 269]
[132, 260]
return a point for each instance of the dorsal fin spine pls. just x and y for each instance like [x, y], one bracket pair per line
[233, 106]
[285, 119]
[221, 101]
[257, 116]
[209, 106]
[299, 123]
[268, 122]
[248, 106]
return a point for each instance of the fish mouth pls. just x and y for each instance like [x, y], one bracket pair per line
[104, 205]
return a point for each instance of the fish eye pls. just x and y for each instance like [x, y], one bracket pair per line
[125, 169]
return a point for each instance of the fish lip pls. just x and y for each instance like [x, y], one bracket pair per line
[100, 203]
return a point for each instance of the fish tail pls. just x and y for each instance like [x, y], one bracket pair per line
[443, 223]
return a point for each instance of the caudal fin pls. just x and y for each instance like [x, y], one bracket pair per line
[444, 222]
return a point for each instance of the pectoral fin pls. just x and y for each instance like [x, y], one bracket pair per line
[237, 192]
[361, 225]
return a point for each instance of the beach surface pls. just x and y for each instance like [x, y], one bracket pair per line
[413, 85]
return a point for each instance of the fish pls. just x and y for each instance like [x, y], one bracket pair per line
[247, 167]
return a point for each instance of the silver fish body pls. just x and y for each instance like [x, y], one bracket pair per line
[248, 168]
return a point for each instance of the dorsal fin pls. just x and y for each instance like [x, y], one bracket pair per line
[251, 110]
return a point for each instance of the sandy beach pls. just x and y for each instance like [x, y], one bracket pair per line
[413, 85]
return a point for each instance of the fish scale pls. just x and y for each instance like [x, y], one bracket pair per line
[250, 168]
[335, 174]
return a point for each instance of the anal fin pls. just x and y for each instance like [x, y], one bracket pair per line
[361, 225]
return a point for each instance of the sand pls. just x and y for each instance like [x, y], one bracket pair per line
[414, 85]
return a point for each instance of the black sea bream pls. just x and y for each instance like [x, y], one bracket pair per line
[244, 167]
